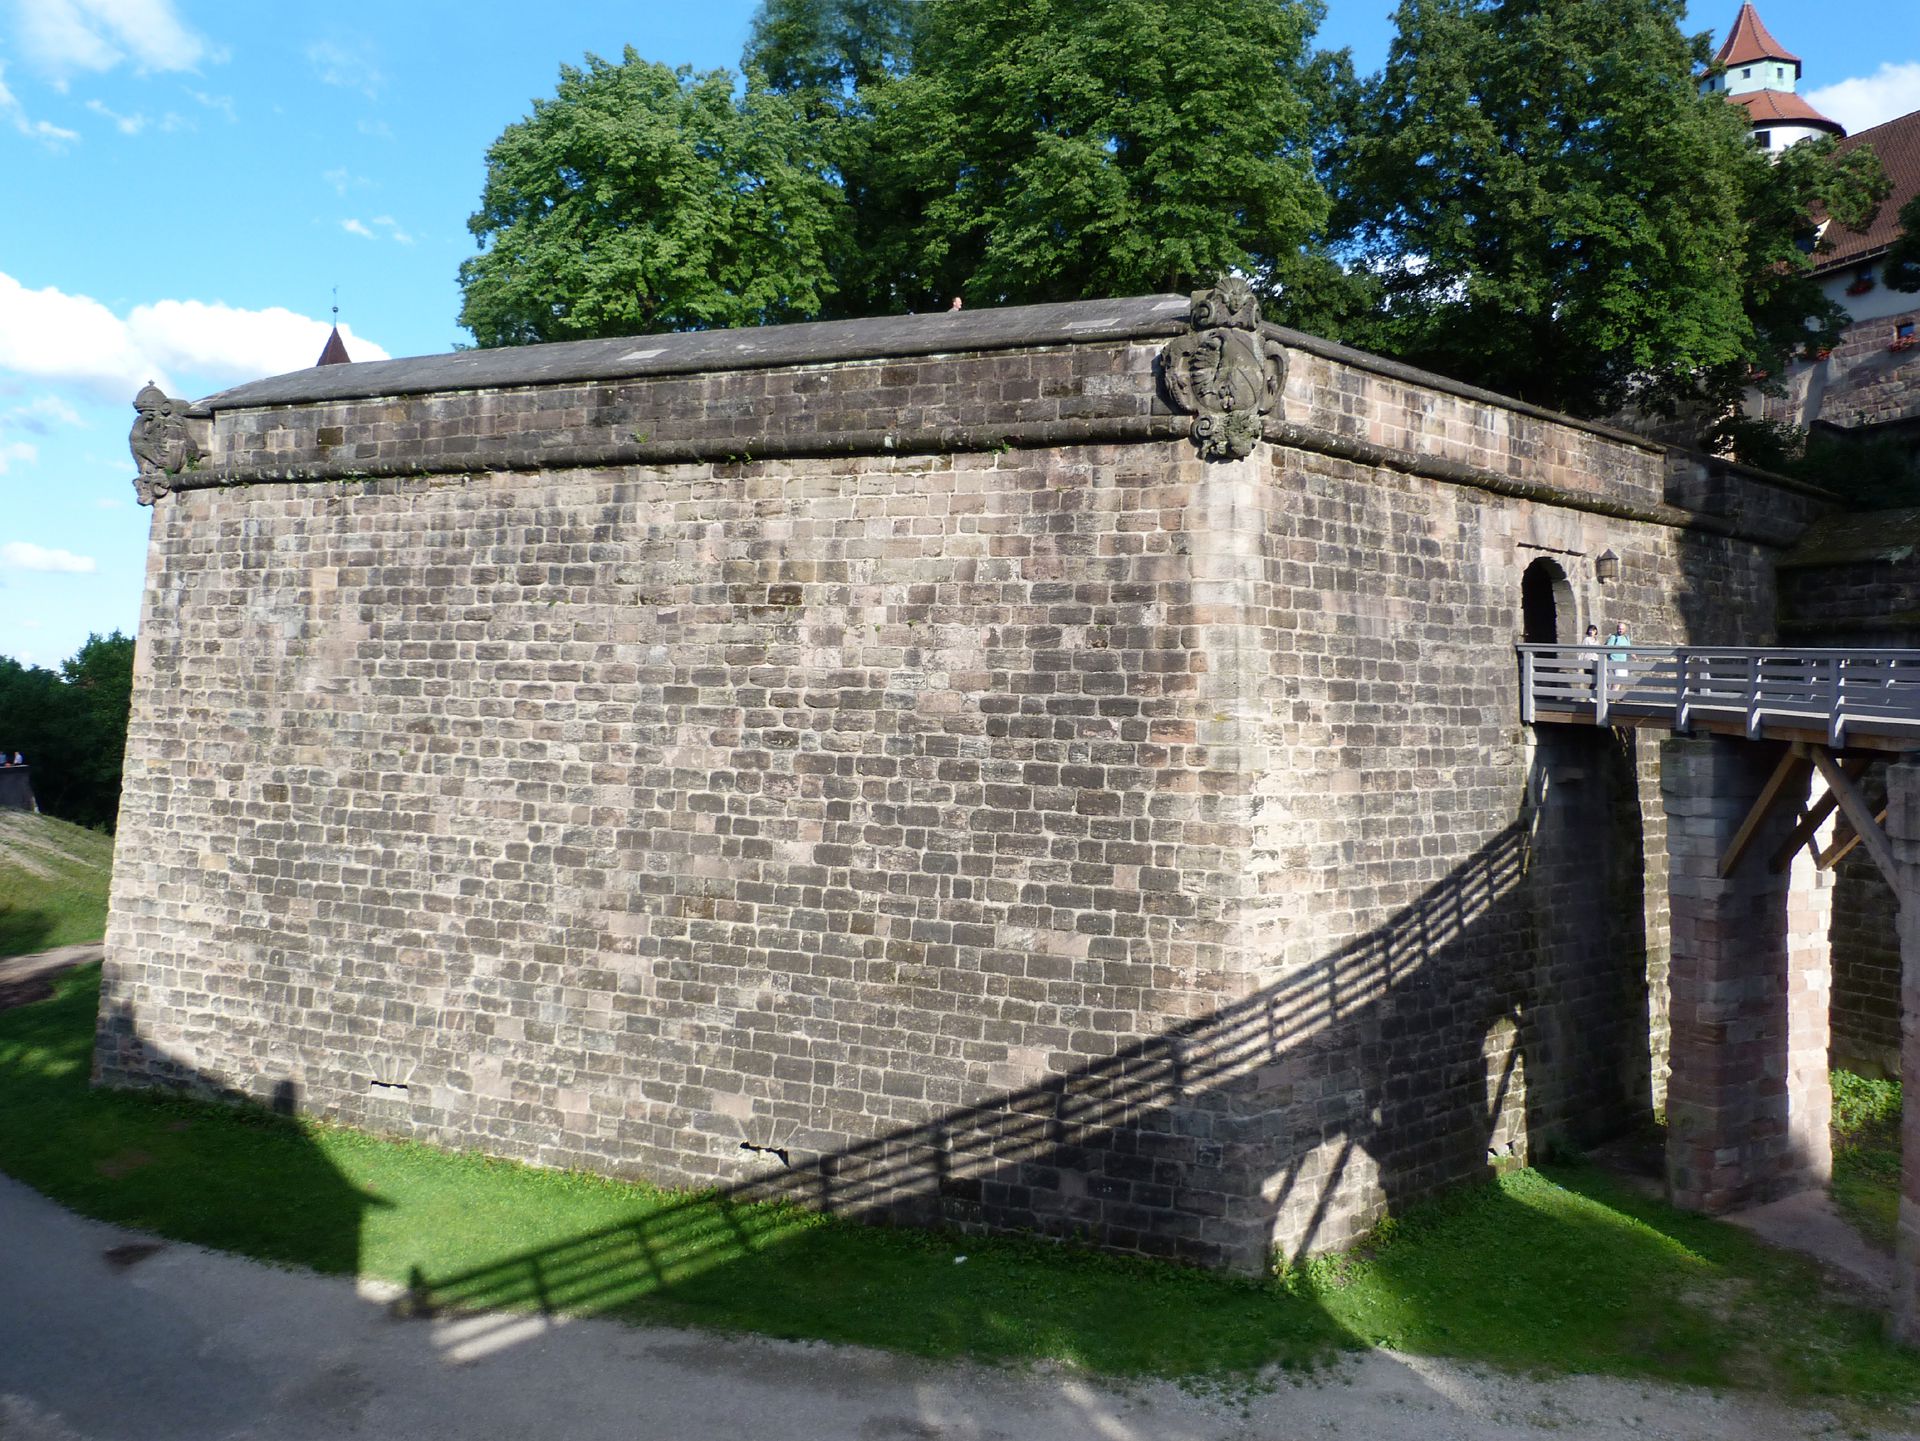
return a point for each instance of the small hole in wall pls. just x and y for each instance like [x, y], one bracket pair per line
[387, 1088]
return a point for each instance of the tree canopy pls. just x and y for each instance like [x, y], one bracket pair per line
[1902, 267]
[830, 50]
[1531, 195]
[641, 198]
[71, 725]
[1542, 202]
[885, 155]
[1053, 149]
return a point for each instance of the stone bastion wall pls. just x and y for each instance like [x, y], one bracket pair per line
[894, 765]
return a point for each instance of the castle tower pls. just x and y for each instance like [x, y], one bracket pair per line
[1757, 73]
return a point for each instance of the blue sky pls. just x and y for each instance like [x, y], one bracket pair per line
[184, 182]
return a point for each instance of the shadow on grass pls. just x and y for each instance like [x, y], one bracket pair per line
[24, 929]
[779, 1270]
[1556, 1270]
[236, 1176]
[1540, 1271]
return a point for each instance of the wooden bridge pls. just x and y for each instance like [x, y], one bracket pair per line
[1840, 699]
[1778, 740]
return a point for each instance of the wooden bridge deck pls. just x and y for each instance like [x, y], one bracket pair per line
[1841, 699]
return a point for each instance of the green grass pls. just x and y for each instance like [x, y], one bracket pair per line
[1866, 1155]
[53, 883]
[1555, 1270]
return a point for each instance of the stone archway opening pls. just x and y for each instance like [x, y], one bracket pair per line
[1546, 604]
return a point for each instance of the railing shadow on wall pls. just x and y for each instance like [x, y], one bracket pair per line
[1376, 1054]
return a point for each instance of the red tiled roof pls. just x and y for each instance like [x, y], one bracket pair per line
[1749, 41]
[336, 351]
[1782, 107]
[1897, 143]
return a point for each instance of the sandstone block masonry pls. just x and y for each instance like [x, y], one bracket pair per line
[886, 764]
[1853, 581]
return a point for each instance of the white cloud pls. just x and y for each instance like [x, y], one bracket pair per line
[125, 124]
[1864, 101]
[392, 227]
[54, 408]
[17, 450]
[24, 555]
[221, 103]
[63, 36]
[38, 417]
[14, 114]
[350, 67]
[356, 227]
[107, 502]
[215, 339]
[54, 336]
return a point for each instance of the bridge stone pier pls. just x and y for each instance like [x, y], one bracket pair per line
[1749, 1102]
[1903, 832]
[1760, 791]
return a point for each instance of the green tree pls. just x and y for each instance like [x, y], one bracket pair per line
[1902, 267]
[1790, 316]
[1057, 149]
[832, 56]
[1540, 201]
[831, 49]
[71, 725]
[641, 199]
[99, 679]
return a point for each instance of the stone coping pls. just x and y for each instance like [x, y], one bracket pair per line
[696, 351]
[874, 338]
[823, 342]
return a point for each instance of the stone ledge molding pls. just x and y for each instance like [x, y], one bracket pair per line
[959, 440]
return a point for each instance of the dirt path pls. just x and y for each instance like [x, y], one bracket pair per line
[106, 1336]
[29, 978]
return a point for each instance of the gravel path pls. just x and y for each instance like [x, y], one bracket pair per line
[105, 1335]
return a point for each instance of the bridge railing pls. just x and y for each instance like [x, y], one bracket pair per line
[1767, 691]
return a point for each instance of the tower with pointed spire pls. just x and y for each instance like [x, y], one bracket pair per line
[1757, 73]
[335, 351]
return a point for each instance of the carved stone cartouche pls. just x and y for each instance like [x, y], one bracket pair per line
[161, 443]
[1224, 372]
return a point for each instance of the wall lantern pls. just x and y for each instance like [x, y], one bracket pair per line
[1606, 567]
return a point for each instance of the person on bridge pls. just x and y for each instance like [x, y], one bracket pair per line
[1619, 652]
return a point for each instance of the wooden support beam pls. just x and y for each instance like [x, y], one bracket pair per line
[1792, 762]
[1854, 807]
[1843, 845]
[1816, 816]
